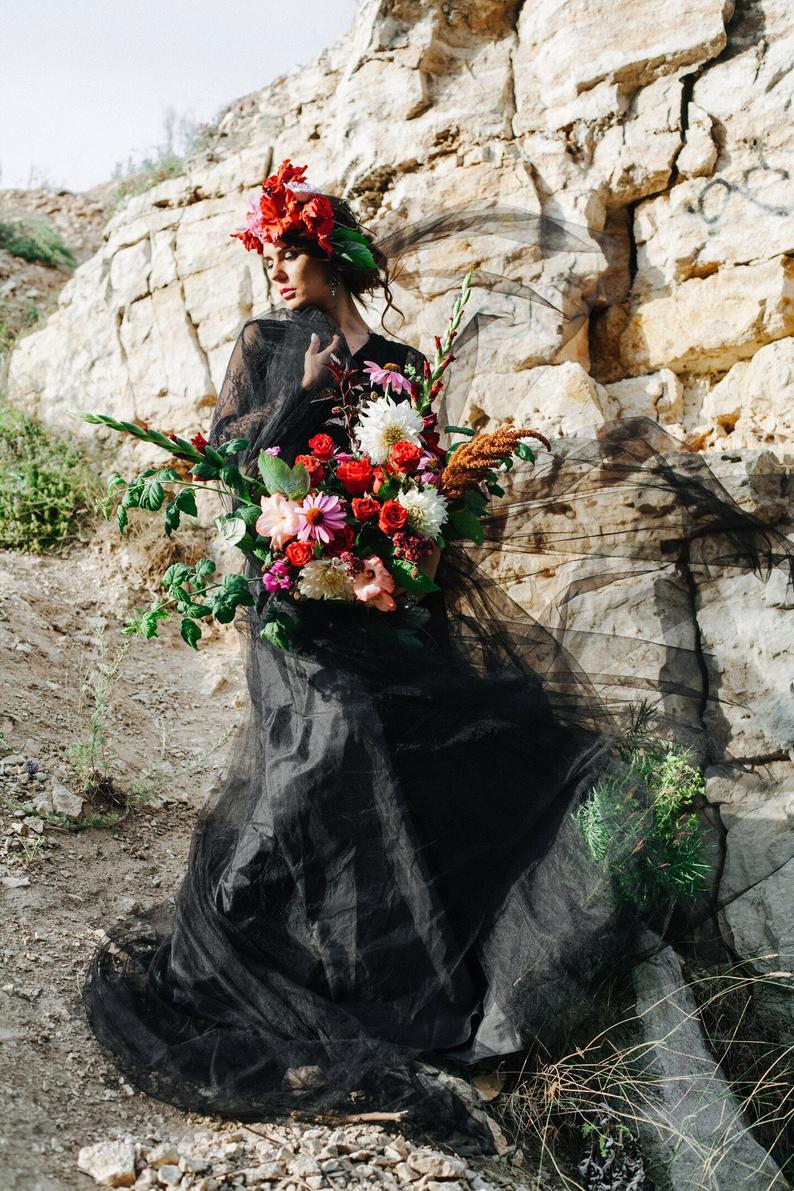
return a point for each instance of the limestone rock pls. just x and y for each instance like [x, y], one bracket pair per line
[692, 1126]
[754, 401]
[109, 1163]
[64, 802]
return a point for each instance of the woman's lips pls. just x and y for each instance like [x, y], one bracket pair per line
[287, 293]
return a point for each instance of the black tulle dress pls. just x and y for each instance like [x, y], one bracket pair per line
[391, 880]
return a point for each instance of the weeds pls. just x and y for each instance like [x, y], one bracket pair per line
[90, 755]
[48, 488]
[33, 238]
[183, 138]
[16, 317]
[585, 1109]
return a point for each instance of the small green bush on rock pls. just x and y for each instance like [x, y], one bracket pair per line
[33, 238]
[48, 488]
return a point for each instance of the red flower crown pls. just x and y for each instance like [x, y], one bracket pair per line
[288, 203]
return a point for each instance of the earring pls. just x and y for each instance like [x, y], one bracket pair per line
[333, 284]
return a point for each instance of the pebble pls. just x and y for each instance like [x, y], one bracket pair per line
[347, 1157]
[64, 802]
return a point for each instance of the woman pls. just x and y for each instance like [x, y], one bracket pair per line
[391, 880]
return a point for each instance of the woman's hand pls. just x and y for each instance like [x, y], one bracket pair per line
[315, 360]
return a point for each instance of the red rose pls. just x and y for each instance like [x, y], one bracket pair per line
[299, 553]
[355, 476]
[313, 467]
[404, 456]
[365, 508]
[322, 447]
[392, 516]
[342, 540]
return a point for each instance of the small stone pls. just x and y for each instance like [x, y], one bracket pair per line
[304, 1164]
[162, 1154]
[14, 883]
[169, 1175]
[109, 1163]
[438, 1166]
[34, 824]
[64, 802]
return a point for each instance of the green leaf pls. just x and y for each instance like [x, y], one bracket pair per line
[121, 518]
[115, 481]
[234, 446]
[171, 518]
[389, 488]
[152, 494]
[250, 514]
[524, 451]
[204, 568]
[277, 629]
[149, 621]
[132, 497]
[460, 430]
[213, 456]
[190, 632]
[205, 471]
[467, 524]
[233, 529]
[475, 500]
[186, 502]
[176, 574]
[403, 572]
[352, 245]
[168, 473]
[495, 488]
[293, 482]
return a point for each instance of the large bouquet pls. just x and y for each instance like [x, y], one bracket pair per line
[356, 525]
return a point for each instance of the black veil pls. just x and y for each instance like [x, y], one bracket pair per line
[391, 876]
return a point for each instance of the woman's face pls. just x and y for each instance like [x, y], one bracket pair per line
[299, 279]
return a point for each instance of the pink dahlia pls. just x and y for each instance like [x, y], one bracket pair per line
[278, 577]
[320, 517]
[389, 376]
[279, 519]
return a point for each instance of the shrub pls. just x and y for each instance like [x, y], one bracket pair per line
[645, 818]
[33, 238]
[48, 488]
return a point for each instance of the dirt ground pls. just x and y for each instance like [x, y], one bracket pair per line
[167, 727]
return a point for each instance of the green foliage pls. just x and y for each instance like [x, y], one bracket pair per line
[90, 754]
[48, 488]
[640, 822]
[16, 317]
[33, 238]
[182, 138]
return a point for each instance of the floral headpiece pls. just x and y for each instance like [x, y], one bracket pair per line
[289, 203]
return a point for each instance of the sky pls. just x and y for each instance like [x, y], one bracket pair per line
[88, 84]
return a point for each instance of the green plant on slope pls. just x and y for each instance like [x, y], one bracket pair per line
[641, 823]
[33, 238]
[47, 487]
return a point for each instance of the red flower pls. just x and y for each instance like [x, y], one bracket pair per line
[365, 508]
[404, 456]
[342, 540]
[322, 447]
[380, 478]
[355, 476]
[299, 553]
[313, 467]
[392, 516]
[199, 442]
[317, 216]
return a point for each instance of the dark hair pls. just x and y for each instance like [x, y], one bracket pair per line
[357, 280]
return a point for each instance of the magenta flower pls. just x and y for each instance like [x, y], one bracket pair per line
[278, 577]
[272, 450]
[389, 377]
[320, 517]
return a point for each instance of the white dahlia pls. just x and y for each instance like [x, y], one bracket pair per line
[325, 579]
[384, 422]
[426, 509]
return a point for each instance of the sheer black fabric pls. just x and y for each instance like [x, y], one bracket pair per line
[391, 874]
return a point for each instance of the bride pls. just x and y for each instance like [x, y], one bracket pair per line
[392, 884]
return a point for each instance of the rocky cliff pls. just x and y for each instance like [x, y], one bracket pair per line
[671, 130]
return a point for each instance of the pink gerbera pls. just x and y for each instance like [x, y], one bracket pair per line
[389, 376]
[320, 517]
